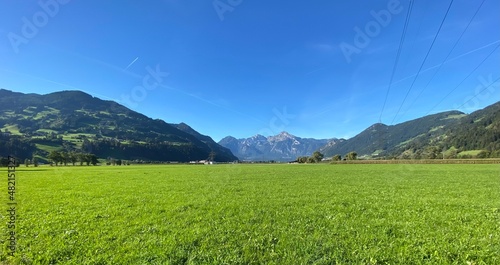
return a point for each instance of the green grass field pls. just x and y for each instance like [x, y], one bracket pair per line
[257, 214]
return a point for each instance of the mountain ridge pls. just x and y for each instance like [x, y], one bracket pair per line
[77, 121]
[380, 139]
[33, 124]
[281, 147]
[440, 135]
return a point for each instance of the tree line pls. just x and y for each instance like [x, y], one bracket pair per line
[4, 162]
[317, 157]
[15, 146]
[63, 157]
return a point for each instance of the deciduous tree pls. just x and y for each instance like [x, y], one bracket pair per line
[317, 156]
[352, 156]
[56, 157]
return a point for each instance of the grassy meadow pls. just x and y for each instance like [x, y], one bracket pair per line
[256, 214]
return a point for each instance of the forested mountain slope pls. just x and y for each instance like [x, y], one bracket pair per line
[76, 121]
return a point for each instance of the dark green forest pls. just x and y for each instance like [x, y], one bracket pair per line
[72, 121]
[441, 135]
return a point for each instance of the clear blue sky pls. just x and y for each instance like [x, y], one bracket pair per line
[245, 67]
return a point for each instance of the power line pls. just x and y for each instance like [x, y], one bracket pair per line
[453, 90]
[423, 62]
[494, 82]
[401, 41]
[447, 56]
[417, 34]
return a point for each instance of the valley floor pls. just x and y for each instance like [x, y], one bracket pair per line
[256, 214]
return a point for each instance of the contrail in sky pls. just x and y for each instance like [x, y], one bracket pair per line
[210, 102]
[449, 60]
[136, 58]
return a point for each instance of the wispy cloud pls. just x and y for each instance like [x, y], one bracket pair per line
[324, 47]
[100, 62]
[314, 71]
[213, 103]
[111, 66]
[130, 64]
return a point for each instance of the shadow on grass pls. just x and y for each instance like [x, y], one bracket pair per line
[27, 170]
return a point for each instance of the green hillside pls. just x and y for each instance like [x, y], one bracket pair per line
[479, 130]
[76, 121]
[380, 140]
[450, 134]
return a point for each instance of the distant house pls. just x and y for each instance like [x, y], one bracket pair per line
[208, 162]
[202, 162]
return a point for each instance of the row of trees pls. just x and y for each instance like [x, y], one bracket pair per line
[62, 157]
[317, 157]
[4, 162]
[110, 161]
[33, 161]
[349, 156]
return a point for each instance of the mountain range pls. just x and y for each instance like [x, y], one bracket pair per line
[281, 147]
[33, 125]
[451, 134]
[381, 140]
